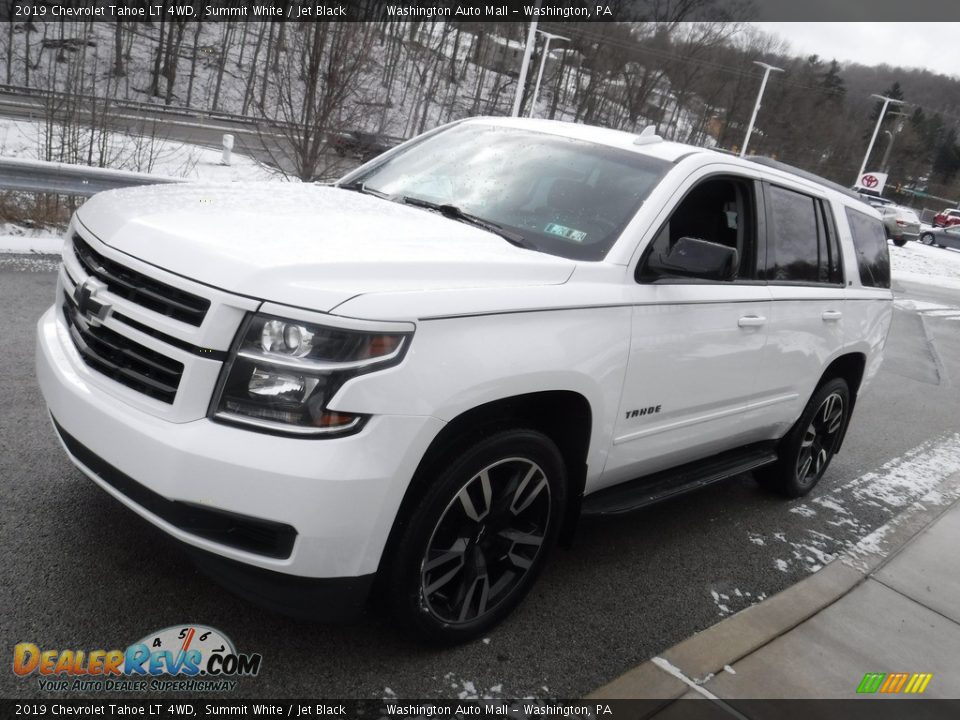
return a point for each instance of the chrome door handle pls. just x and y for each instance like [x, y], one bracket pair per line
[752, 321]
[831, 315]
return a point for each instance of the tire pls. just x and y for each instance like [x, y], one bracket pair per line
[927, 238]
[806, 451]
[899, 242]
[485, 525]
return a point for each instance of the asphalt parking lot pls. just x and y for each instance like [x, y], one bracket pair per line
[81, 571]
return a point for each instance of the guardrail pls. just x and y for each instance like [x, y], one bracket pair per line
[159, 108]
[53, 177]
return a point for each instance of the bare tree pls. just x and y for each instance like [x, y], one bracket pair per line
[312, 97]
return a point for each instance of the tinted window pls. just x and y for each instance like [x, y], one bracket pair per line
[870, 242]
[801, 246]
[564, 196]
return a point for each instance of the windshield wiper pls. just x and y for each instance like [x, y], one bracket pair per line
[455, 213]
[361, 187]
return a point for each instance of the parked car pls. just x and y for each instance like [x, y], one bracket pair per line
[424, 374]
[948, 237]
[875, 200]
[902, 223]
[362, 145]
[947, 218]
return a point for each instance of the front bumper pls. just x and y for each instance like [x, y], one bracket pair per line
[338, 497]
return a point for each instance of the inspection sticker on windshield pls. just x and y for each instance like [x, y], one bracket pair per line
[565, 232]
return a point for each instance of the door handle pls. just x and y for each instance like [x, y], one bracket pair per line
[831, 315]
[752, 321]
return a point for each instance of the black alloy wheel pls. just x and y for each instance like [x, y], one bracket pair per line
[477, 540]
[806, 451]
[486, 540]
[820, 439]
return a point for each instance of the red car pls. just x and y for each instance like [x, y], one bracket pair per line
[947, 218]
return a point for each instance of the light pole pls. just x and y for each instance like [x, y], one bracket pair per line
[885, 164]
[527, 52]
[543, 62]
[756, 108]
[876, 131]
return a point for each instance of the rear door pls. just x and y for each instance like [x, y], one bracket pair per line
[803, 269]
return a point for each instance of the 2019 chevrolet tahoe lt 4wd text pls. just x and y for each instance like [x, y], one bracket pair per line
[422, 375]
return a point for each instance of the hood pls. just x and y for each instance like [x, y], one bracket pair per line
[307, 245]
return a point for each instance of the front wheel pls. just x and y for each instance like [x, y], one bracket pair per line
[927, 238]
[478, 538]
[806, 451]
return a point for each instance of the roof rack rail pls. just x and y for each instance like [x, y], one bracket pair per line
[806, 175]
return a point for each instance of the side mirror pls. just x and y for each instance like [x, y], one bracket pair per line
[695, 258]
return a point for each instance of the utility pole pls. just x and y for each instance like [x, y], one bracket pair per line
[876, 131]
[756, 108]
[543, 62]
[525, 64]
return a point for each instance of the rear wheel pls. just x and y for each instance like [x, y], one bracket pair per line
[806, 451]
[478, 539]
[899, 242]
[927, 238]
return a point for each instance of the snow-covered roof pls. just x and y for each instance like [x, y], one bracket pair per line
[665, 150]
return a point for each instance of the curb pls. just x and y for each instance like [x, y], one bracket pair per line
[689, 664]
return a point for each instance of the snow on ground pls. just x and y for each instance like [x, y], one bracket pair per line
[22, 139]
[913, 480]
[918, 263]
[915, 477]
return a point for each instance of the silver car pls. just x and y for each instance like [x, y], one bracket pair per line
[902, 223]
[948, 237]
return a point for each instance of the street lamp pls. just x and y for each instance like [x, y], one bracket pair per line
[756, 108]
[876, 131]
[525, 63]
[543, 62]
[885, 163]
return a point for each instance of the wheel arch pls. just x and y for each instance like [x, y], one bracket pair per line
[850, 368]
[564, 416]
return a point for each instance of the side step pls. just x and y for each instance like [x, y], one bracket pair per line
[650, 489]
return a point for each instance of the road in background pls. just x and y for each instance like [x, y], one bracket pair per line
[258, 139]
[82, 572]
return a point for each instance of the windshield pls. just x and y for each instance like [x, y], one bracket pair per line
[565, 197]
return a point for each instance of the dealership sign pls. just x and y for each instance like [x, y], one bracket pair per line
[872, 181]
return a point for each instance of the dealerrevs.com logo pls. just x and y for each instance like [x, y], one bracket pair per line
[191, 658]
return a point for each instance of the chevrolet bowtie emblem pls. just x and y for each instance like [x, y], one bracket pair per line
[85, 295]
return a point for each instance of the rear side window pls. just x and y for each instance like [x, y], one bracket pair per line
[870, 242]
[801, 241]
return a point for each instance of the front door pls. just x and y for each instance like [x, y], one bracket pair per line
[697, 337]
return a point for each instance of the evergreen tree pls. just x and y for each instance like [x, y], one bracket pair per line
[832, 84]
[946, 163]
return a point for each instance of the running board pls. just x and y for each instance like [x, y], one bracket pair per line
[638, 493]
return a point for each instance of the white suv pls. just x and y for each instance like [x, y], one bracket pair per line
[425, 373]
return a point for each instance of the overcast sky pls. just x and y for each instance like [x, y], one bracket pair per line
[934, 46]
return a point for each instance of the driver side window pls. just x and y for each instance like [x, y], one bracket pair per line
[711, 236]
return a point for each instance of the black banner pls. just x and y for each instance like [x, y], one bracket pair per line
[202, 708]
[483, 11]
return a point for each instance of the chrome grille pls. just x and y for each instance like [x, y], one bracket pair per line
[140, 289]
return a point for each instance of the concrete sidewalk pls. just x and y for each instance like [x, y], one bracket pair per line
[890, 605]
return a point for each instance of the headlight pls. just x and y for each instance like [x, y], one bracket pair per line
[282, 374]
